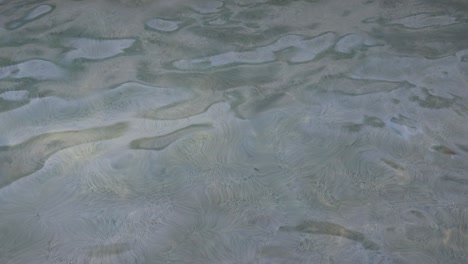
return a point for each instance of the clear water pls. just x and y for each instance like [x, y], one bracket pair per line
[241, 131]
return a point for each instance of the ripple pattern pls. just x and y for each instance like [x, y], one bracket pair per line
[233, 131]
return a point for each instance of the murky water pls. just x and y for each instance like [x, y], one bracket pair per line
[236, 131]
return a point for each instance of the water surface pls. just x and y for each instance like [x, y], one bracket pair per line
[236, 131]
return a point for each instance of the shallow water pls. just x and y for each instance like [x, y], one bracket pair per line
[236, 131]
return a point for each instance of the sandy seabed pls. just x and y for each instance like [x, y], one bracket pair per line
[236, 131]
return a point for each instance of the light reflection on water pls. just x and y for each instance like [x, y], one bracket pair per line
[260, 131]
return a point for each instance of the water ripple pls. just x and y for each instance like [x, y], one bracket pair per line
[233, 131]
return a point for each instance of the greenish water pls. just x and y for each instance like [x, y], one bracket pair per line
[236, 131]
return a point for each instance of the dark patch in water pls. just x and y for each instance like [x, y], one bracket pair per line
[326, 228]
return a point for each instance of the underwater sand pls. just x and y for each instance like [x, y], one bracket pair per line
[236, 131]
